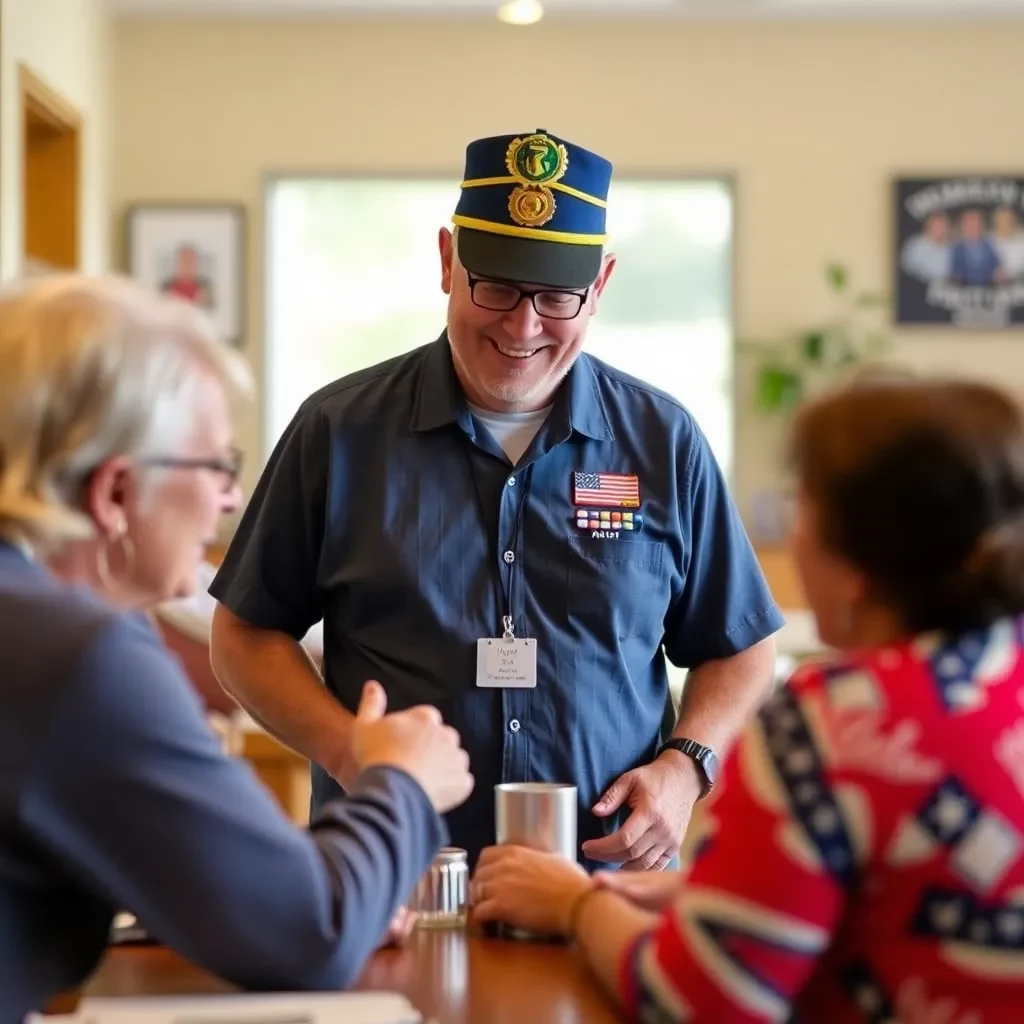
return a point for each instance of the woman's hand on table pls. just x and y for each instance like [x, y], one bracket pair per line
[527, 888]
[648, 890]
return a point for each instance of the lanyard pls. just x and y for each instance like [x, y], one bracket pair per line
[507, 621]
[508, 626]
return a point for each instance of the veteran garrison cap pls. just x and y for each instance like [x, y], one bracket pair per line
[532, 209]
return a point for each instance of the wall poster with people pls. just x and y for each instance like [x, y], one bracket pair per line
[960, 251]
[195, 253]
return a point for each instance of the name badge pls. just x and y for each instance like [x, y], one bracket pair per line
[508, 664]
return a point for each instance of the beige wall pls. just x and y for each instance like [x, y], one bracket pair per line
[66, 43]
[812, 122]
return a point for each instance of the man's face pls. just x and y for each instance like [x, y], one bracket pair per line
[187, 261]
[1004, 221]
[937, 227]
[971, 225]
[510, 361]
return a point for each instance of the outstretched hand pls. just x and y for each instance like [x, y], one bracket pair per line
[661, 795]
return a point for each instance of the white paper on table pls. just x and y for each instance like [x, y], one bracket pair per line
[276, 1008]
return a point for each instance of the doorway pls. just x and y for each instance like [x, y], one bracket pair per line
[50, 178]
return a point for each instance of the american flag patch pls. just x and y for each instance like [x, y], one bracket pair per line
[612, 490]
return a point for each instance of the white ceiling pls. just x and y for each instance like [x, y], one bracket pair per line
[697, 9]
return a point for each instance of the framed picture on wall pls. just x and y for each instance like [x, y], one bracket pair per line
[959, 254]
[195, 252]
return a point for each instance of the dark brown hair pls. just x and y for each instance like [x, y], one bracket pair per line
[920, 484]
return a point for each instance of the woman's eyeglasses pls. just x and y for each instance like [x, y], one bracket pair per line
[230, 466]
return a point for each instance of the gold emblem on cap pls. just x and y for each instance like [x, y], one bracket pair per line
[536, 159]
[531, 207]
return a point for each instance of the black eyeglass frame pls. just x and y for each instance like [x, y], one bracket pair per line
[526, 293]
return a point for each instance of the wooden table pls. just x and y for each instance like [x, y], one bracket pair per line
[451, 977]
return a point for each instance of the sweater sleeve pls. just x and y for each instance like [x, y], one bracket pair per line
[766, 891]
[132, 794]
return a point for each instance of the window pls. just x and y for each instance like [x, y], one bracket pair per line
[354, 279]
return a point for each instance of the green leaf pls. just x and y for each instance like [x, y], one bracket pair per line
[778, 388]
[837, 276]
[812, 345]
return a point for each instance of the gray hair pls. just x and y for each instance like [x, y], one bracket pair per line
[93, 368]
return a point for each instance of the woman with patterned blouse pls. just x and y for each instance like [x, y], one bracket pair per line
[863, 860]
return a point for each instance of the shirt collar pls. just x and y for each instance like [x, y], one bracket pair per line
[440, 400]
[587, 414]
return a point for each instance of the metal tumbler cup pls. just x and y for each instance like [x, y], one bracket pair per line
[440, 899]
[537, 814]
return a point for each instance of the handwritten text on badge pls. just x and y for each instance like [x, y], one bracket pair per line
[506, 663]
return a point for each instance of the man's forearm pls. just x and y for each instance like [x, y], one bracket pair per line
[272, 677]
[719, 697]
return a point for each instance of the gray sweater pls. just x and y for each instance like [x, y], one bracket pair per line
[114, 794]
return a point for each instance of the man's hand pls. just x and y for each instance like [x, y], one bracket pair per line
[661, 795]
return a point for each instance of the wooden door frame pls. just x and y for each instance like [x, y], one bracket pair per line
[48, 105]
[51, 139]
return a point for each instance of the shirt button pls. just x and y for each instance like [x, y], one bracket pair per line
[514, 725]
[509, 556]
[511, 481]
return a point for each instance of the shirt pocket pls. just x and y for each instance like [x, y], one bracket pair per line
[617, 589]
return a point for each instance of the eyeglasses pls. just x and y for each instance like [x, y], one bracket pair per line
[503, 298]
[230, 467]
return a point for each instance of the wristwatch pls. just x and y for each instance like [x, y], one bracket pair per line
[705, 759]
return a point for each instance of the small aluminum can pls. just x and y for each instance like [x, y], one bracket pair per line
[440, 899]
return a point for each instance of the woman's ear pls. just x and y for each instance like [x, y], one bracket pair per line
[105, 495]
[855, 584]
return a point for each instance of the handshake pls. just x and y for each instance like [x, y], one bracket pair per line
[417, 741]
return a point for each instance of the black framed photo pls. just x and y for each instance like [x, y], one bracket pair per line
[959, 256]
[195, 252]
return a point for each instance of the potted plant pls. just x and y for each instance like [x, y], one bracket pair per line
[792, 367]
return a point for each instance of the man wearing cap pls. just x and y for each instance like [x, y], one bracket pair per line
[508, 529]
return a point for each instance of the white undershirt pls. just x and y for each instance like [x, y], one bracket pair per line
[514, 431]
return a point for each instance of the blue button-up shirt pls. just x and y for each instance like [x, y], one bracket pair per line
[388, 510]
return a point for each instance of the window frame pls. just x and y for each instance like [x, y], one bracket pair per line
[625, 176]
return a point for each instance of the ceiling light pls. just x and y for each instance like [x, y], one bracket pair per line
[521, 12]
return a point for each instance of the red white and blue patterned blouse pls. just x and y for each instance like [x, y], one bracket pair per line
[862, 861]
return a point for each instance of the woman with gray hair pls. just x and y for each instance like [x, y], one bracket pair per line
[116, 464]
